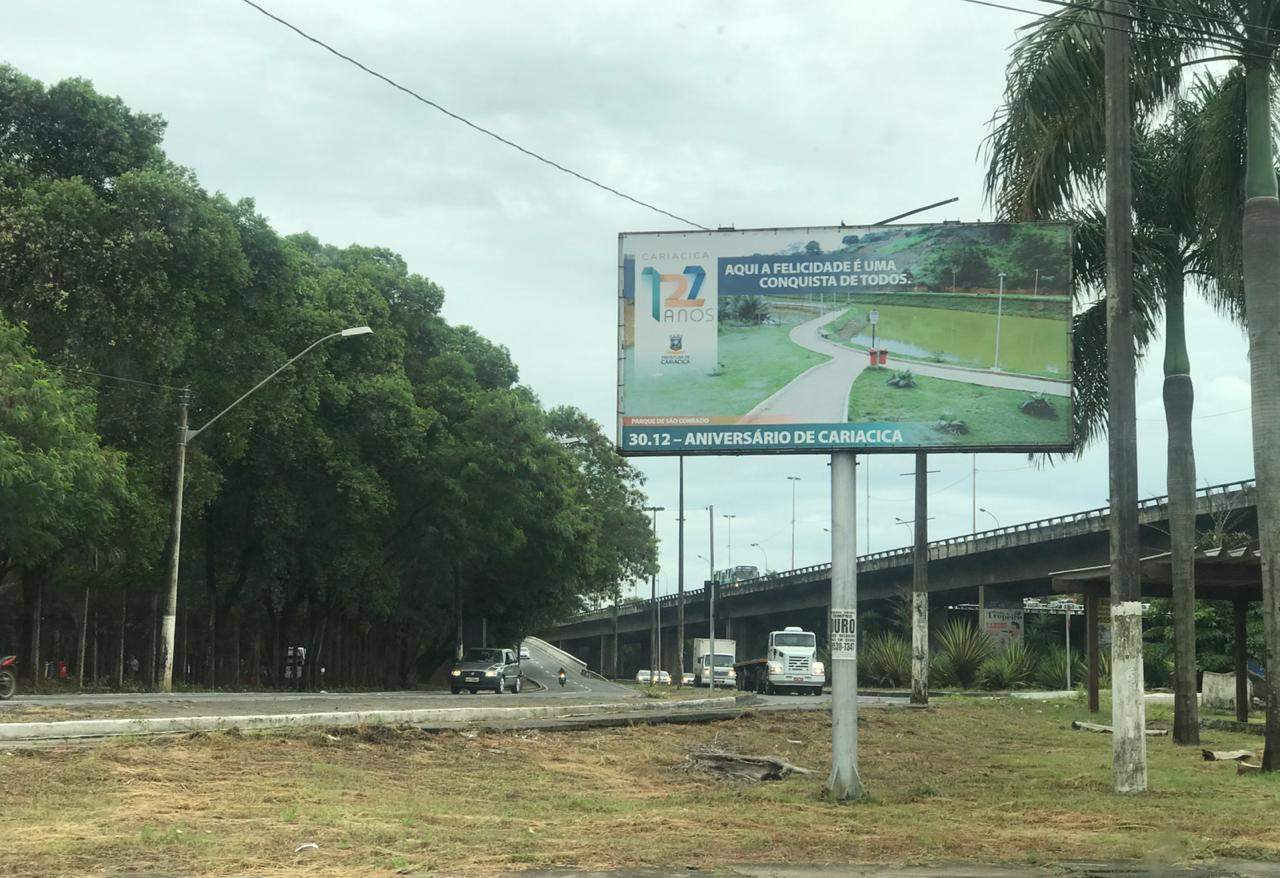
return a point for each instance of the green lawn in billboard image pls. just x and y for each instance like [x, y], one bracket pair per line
[975, 415]
[942, 334]
[755, 362]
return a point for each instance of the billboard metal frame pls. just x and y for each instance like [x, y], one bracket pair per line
[830, 449]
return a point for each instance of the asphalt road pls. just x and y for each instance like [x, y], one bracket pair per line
[540, 667]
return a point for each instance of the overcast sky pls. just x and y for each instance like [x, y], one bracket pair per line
[752, 114]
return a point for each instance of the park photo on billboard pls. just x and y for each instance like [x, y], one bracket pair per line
[942, 337]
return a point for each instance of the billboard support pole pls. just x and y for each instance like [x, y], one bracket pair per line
[680, 588]
[844, 783]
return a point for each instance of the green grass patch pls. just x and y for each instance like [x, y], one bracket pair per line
[755, 362]
[991, 414]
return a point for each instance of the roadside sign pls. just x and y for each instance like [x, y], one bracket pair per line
[873, 317]
[843, 632]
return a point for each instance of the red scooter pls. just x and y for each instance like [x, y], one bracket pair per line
[8, 679]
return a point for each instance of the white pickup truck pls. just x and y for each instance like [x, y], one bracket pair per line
[791, 664]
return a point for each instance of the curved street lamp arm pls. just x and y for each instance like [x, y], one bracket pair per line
[191, 434]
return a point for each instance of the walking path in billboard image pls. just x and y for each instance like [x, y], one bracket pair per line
[824, 389]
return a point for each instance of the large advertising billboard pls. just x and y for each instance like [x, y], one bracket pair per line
[950, 337]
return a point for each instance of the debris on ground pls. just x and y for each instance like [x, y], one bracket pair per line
[308, 846]
[739, 766]
[1243, 767]
[1226, 755]
[1094, 727]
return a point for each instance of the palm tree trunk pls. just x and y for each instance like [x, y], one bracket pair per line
[1179, 397]
[1261, 231]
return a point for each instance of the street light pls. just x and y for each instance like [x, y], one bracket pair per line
[992, 514]
[766, 556]
[185, 435]
[731, 517]
[793, 480]
[999, 310]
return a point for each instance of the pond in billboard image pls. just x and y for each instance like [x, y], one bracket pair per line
[941, 336]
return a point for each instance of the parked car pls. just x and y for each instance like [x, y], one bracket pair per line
[483, 668]
[644, 676]
[686, 678]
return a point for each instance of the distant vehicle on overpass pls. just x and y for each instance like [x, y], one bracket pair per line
[737, 574]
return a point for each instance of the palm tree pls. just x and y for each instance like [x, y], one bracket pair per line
[1171, 246]
[1046, 153]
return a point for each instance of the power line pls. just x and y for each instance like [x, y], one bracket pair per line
[1218, 19]
[465, 121]
[1219, 37]
[1236, 51]
[1199, 417]
[117, 378]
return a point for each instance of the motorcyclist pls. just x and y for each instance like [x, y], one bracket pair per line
[561, 676]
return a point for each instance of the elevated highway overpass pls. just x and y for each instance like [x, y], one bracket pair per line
[1010, 562]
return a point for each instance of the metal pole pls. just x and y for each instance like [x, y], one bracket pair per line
[920, 587]
[999, 309]
[973, 524]
[1067, 633]
[680, 585]
[168, 622]
[844, 783]
[793, 480]
[711, 608]
[731, 517]
[653, 606]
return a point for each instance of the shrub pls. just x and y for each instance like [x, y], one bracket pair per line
[1051, 672]
[902, 378]
[1013, 667]
[886, 660]
[949, 423]
[962, 649]
[1038, 406]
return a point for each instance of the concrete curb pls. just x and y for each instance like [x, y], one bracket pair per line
[108, 728]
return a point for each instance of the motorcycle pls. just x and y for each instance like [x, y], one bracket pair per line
[8, 679]
[561, 677]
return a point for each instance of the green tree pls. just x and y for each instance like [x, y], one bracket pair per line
[1049, 140]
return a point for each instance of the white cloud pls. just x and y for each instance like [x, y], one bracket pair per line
[745, 113]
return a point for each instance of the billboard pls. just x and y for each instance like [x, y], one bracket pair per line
[949, 337]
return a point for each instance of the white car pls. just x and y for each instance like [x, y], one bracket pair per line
[686, 678]
[644, 677]
[524, 652]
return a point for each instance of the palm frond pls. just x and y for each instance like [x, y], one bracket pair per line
[1046, 146]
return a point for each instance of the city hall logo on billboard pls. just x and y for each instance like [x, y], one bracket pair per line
[675, 354]
[676, 298]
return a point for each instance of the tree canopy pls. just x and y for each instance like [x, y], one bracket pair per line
[382, 491]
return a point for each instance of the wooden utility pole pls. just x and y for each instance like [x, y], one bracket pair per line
[1128, 715]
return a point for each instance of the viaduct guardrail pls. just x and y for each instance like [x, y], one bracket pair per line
[1214, 498]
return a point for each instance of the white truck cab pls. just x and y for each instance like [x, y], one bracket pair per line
[790, 664]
